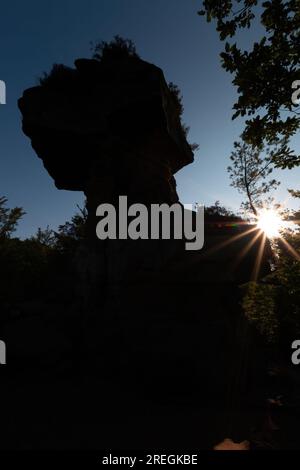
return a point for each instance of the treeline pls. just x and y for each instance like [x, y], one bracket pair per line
[38, 269]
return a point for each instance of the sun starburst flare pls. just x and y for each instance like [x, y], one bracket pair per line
[266, 231]
[270, 223]
[272, 226]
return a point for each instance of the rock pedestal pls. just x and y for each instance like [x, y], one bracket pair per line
[111, 129]
[108, 129]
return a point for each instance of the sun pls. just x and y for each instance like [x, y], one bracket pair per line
[270, 222]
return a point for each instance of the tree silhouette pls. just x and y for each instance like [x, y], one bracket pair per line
[219, 213]
[114, 50]
[9, 218]
[248, 173]
[264, 74]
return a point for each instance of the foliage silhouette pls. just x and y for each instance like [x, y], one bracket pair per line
[248, 173]
[9, 218]
[264, 74]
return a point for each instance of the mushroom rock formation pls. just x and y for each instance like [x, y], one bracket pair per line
[114, 117]
[108, 128]
[112, 128]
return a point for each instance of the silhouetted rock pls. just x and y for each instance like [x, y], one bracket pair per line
[116, 119]
[168, 318]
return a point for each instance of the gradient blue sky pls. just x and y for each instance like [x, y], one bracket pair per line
[169, 33]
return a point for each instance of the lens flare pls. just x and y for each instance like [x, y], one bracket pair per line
[270, 222]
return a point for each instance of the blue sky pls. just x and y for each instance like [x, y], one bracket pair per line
[169, 33]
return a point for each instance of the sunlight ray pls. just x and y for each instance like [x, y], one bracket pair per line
[225, 243]
[246, 249]
[259, 256]
[290, 249]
